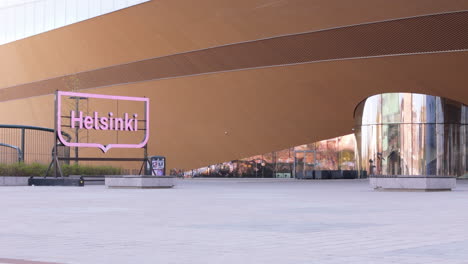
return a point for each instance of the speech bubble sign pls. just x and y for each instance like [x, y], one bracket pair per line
[104, 123]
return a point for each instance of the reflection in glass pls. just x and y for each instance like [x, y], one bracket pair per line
[440, 148]
[30, 17]
[406, 149]
[390, 108]
[406, 107]
[395, 134]
[423, 108]
[372, 108]
[328, 159]
[390, 154]
[417, 135]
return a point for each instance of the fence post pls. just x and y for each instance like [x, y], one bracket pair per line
[23, 132]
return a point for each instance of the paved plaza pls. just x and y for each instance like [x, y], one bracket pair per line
[234, 221]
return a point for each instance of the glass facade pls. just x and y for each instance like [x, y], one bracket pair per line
[24, 18]
[328, 159]
[412, 134]
[395, 134]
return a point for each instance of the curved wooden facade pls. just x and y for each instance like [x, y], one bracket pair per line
[229, 79]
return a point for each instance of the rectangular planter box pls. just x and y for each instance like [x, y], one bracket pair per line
[13, 181]
[413, 183]
[52, 181]
[139, 182]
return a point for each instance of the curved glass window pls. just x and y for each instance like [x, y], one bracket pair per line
[24, 18]
[412, 134]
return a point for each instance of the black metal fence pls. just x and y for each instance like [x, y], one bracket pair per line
[28, 144]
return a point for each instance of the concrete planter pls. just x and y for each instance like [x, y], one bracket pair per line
[14, 180]
[413, 183]
[139, 182]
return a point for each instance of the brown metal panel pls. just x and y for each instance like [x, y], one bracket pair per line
[164, 27]
[433, 33]
[265, 109]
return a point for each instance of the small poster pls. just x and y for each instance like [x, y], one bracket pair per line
[158, 165]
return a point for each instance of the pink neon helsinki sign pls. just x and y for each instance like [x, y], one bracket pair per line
[102, 122]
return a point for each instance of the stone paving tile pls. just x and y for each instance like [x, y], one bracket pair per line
[234, 221]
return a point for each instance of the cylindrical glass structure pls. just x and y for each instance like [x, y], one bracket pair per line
[412, 134]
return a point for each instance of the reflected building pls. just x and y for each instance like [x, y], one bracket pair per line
[327, 159]
[412, 134]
